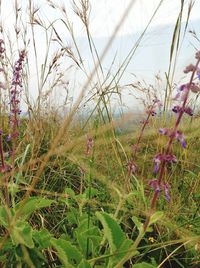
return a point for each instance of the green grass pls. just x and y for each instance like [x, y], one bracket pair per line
[102, 187]
[61, 207]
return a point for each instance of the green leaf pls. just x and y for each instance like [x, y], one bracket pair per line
[32, 204]
[119, 245]
[68, 254]
[88, 238]
[94, 241]
[143, 265]
[84, 264]
[112, 231]
[42, 237]
[22, 234]
[91, 192]
[73, 216]
[83, 234]
[156, 217]
[121, 252]
[70, 192]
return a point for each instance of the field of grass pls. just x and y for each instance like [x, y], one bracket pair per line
[91, 188]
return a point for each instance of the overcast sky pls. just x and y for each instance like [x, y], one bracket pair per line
[106, 13]
[153, 54]
[109, 12]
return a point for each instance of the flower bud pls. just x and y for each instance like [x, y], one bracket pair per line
[189, 68]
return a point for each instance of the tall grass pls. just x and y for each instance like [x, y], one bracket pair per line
[74, 191]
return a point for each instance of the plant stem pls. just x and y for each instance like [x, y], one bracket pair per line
[168, 147]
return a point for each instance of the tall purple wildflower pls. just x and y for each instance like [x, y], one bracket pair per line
[151, 112]
[162, 159]
[15, 91]
[2, 50]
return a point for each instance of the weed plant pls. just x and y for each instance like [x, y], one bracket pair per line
[75, 192]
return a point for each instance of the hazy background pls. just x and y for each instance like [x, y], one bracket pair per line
[150, 59]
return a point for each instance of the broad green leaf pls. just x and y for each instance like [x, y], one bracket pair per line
[143, 265]
[32, 204]
[70, 192]
[42, 237]
[68, 254]
[83, 234]
[73, 216]
[83, 226]
[156, 217]
[112, 231]
[22, 234]
[94, 242]
[121, 252]
[118, 243]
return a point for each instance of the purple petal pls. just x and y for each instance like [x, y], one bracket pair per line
[9, 137]
[156, 167]
[183, 143]
[163, 131]
[188, 111]
[154, 184]
[181, 88]
[166, 188]
[198, 73]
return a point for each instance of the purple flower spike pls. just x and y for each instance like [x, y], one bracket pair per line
[155, 185]
[9, 137]
[182, 92]
[157, 160]
[164, 131]
[195, 87]
[197, 55]
[2, 47]
[166, 187]
[198, 73]
[188, 111]
[170, 158]
[156, 167]
[183, 143]
[182, 87]
[158, 187]
[180, 137]
[189, 68]
[176, 109]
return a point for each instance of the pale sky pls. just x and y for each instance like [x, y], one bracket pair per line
[106, 13]
[153, 54]
[109, 11]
